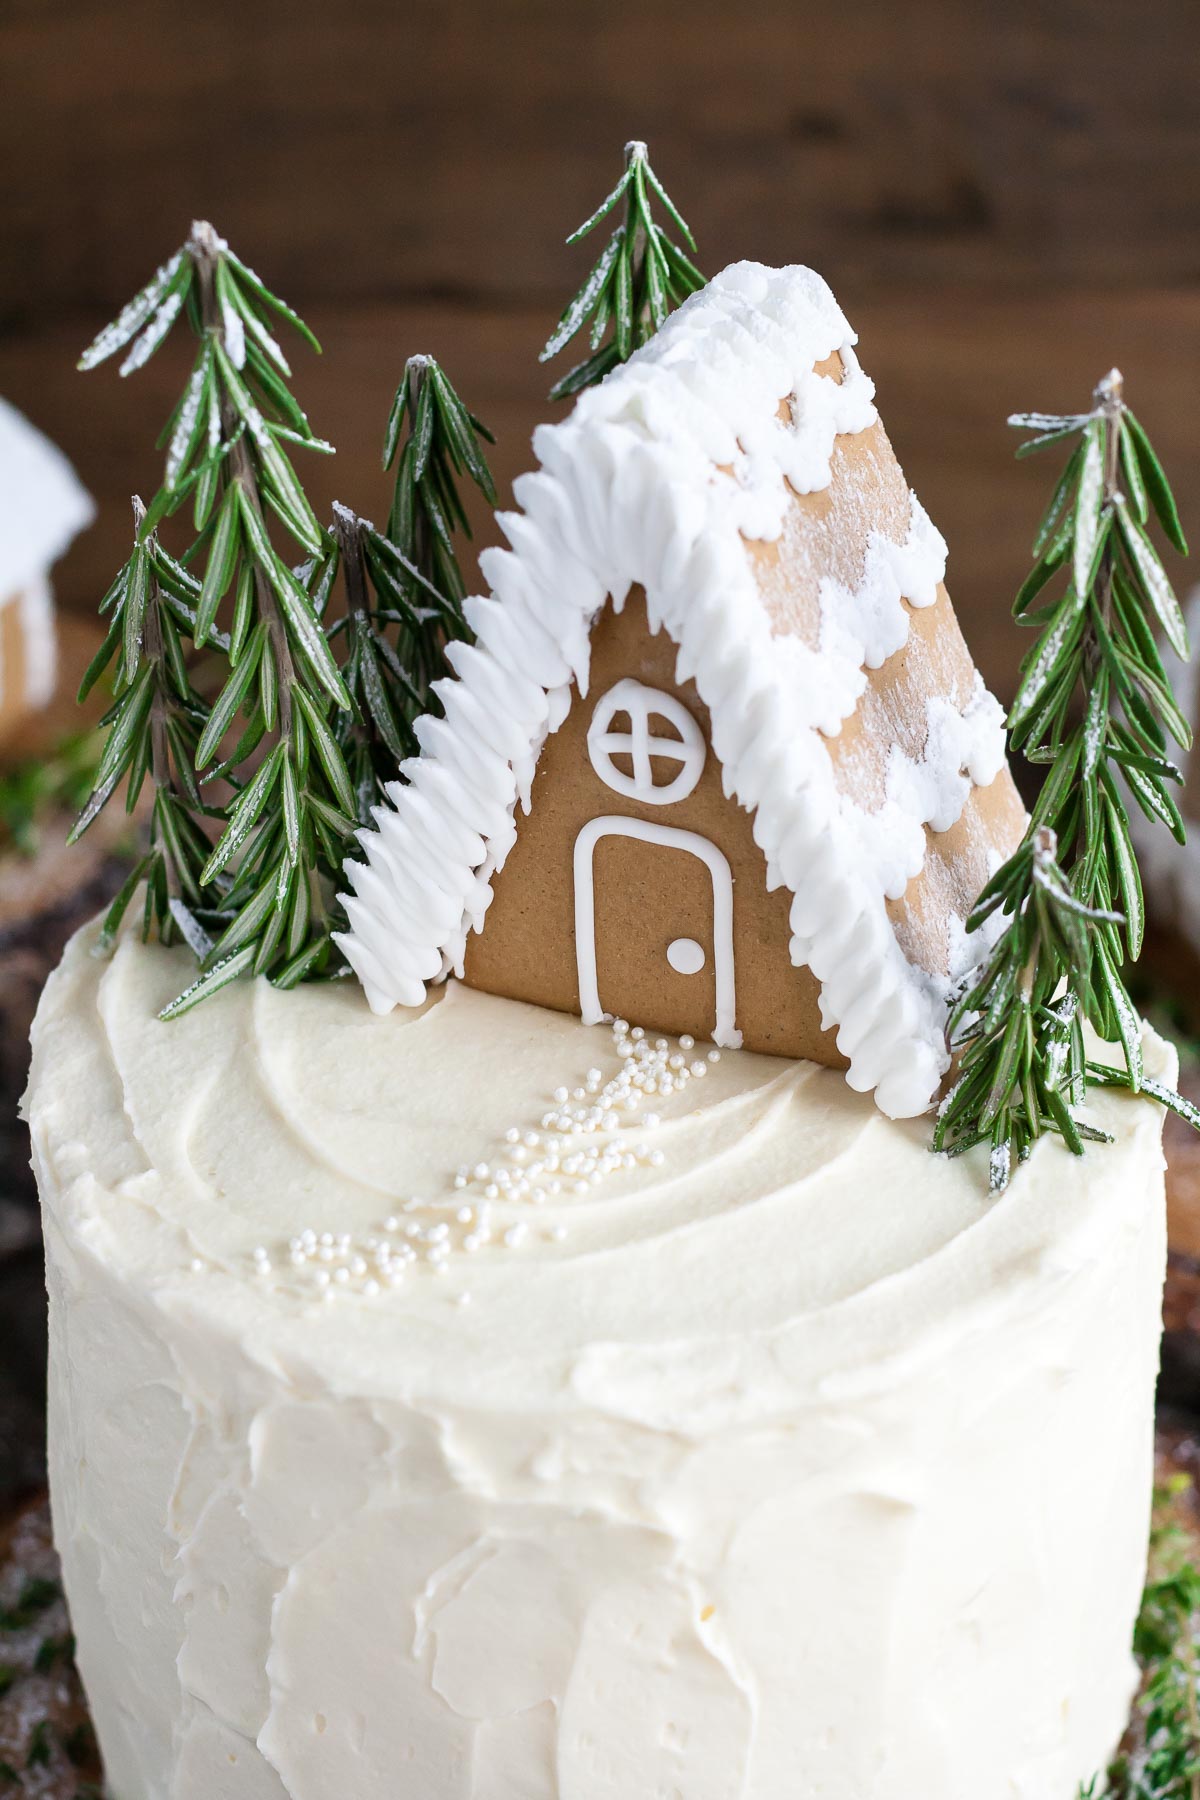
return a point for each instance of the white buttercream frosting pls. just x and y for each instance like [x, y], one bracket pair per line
[659, 477]
[788, 1457]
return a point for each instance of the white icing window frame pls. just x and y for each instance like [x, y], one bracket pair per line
[725, 1032]
[640, 701]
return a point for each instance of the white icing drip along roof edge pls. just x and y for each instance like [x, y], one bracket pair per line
[630, 491]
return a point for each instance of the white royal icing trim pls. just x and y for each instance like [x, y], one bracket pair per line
[631, 489]
[686, 956]
[671, 837]
[641, 745]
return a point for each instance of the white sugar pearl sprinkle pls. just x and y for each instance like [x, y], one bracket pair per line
[581, 1142]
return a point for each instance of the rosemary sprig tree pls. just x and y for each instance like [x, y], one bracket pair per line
[1164, 1763]
[264, 884]
[153, 727]
[404, 587]
[1024, 1064]
[442, 443]
[1095, 705]
[640, 276]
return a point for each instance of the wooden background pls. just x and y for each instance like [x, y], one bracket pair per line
[1006, 199]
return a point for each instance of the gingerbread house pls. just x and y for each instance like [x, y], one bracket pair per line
[42, 507]
[718, 760]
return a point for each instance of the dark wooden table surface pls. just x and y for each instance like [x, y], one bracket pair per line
[1004, 198]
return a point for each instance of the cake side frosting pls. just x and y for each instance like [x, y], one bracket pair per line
[765, 1453]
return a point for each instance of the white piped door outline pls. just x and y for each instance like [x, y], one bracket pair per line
[670, 837]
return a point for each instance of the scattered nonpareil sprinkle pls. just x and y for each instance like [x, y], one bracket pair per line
[587, 1133]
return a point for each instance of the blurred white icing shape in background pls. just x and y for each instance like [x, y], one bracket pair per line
[43, 505]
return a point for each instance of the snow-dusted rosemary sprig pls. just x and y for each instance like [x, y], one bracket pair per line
[262, 890]
[434, 442]
[152, 729]
[404, 587]
[640, 276]
[1095, 705]
[1023, 1062]
[1164, 1762]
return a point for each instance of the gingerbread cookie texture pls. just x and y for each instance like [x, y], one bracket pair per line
[42, 507]
[718, 759]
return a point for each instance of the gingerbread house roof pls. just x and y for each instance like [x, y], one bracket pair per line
[680, 474]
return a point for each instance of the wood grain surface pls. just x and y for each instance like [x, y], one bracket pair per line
[376, 150]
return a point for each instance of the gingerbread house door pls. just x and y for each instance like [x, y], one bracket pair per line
[683, 939]
[683, 956]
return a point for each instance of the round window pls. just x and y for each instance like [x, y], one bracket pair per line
[659, 758]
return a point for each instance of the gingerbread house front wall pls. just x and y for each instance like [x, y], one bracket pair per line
[648, 899]
[657, 910]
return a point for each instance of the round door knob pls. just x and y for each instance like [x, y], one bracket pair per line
[685, 956]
